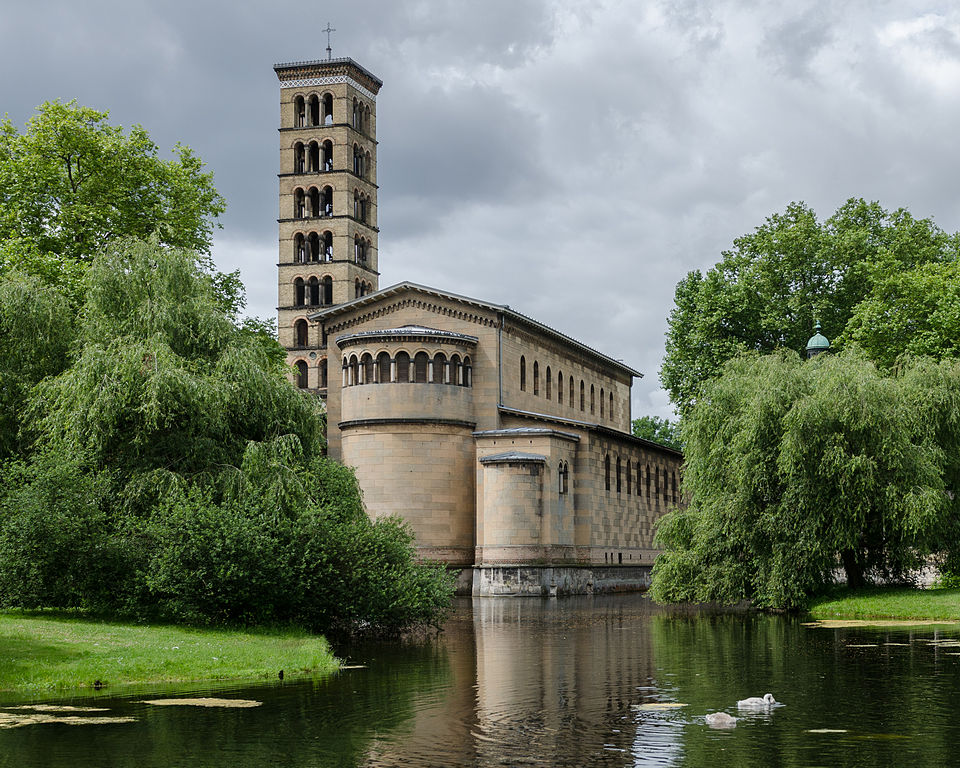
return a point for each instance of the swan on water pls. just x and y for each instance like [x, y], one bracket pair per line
[720, 720]
[755, 702]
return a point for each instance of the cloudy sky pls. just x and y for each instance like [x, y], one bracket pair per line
[571, 159]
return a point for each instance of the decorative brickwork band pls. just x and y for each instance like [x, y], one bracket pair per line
[333, 80]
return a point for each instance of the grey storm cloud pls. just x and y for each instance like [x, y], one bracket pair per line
[574, 160]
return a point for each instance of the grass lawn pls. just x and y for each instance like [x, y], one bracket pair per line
[46, 651]
[889, 603]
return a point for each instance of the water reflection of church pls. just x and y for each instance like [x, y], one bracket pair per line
[503, 442]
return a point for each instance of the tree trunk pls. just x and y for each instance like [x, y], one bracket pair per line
[853, 569]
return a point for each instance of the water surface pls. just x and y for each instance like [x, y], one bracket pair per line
[568, 682]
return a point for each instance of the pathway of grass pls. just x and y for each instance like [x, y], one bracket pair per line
[889, 603]
[44, 651]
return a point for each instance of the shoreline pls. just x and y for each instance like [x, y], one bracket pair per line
[53, 652]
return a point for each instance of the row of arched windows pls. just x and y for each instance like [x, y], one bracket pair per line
[315, 247]
[314, 110]
[312, 247]
[606, 398]
[313, 292]
[312, 202]
[303, 372]
[361, 205]
[660, 486]
[361, 249]
[361, 288]
[313, 157]
[318, 110]
[419, 369]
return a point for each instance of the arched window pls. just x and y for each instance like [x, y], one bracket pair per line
[467, 378]
[314, 110]
[610, 412]
[313, 157]
[403, 367]
[356, 288]
[366, 166]
[601, 402]
[456, 369]
[656, 482]
[367, 362]
[363, 208]
[606, 471]
[536, 378]
[359, 249]
[440, 368]
[571, 392]
[328, 109]
[327, 253]
[673, 486]
[354, 371]
[314, 292]
[299, 292]
[420, 361]
[298, 207]
[560, 387]
[301, 374]
[629, 478]
[345, 374]
[566, 478]
[300, 333]
[366, 119]
[383, 368]
[298, 157]
[356, 204]
[327, 155]
[618, 475]
[356, 115]
[593, 399]
[313, 249]
[299, 112]
[326, 201]
[299, 249]
[327, 290]
[523, 373]
[648, 481]
[357, 160]
[322, 370]
[581, 395]
[549, 382]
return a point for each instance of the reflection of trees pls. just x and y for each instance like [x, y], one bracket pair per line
[895, 701]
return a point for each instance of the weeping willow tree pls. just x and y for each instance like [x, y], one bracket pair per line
[796, 470]
[172, 471]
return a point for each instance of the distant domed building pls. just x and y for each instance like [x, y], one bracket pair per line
[504, 443]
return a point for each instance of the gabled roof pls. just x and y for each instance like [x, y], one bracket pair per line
[394, 290]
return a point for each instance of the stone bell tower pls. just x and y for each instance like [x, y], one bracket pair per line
[328, 201]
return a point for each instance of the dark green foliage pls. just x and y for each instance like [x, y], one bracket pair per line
[767, 291]
[171, 471]
[658, 430]
[796, 469]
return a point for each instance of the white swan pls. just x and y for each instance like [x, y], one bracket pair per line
[755, 702]
[720, 720]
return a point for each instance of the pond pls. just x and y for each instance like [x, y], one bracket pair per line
[586, 681]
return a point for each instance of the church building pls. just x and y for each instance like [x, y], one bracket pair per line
[504, 443]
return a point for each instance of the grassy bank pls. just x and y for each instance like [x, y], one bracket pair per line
[42, 651]
[889, 603]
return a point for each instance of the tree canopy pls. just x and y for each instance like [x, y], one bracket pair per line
[166, 467]
[658, 430]
[72, 182]
[767, 291]
[797, 468]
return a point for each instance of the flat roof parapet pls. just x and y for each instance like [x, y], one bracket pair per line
[343, 67]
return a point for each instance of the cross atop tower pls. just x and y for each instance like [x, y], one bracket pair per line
[328, 30]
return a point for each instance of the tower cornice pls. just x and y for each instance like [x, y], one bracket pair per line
[297, 74]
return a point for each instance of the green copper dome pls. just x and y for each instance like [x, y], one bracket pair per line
[818, 343]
